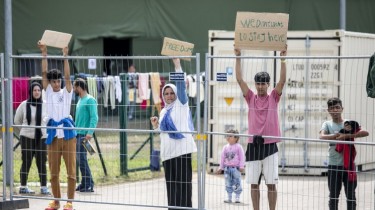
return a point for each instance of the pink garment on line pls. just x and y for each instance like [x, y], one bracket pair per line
[143, 86]
[144, 105]
[20, 90]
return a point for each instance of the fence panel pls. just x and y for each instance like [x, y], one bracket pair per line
[124, 137]
[126, 142]
[303, 159]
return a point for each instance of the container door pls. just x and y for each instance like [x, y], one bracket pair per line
[310, 82]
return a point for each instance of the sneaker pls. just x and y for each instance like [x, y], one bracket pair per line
[44, 191]
[228, 201]
[26, 190]
[53, 205]
[89, 189]
[68, 206]
[79, 187]
[238, 199]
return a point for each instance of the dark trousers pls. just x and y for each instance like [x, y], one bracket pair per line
[178, 176]
[29, 149]
[86, 180]
[337, 176]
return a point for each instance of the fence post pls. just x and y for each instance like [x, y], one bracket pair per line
[123, 114]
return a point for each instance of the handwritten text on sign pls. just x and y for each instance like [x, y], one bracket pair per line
[261, 31]
[173, 47]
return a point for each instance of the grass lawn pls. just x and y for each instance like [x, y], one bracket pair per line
[109, 143]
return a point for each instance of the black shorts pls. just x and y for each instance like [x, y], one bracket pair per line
[260, 151]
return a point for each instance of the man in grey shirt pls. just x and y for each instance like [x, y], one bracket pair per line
[336, 172]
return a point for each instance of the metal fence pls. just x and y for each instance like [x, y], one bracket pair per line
[303, 157]
[126, 144]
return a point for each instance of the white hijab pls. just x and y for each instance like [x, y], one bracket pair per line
[174, 88]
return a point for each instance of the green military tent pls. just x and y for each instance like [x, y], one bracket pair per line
[137, 27]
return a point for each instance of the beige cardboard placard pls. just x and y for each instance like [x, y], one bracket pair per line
[173, 47]
[55, 39]
[261, 31]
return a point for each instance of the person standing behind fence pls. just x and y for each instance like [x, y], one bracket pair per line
[60, 142]
[132, 88]
[86, 117]
[176, 148]
[32, 113]
[262, 153]
[232, 162]
[336, 172]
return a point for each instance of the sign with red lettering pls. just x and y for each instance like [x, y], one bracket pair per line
[261, 31]
[173, 47]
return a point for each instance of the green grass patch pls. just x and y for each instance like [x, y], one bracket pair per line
[110, 148]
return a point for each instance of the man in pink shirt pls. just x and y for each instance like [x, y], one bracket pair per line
[262, 153]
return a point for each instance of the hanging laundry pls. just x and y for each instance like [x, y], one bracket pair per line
[20, 87]
[118, 89]
[92, 88]
[155, 87]
[109, 91]
[201, 88]
[143, 86]
[192, 86]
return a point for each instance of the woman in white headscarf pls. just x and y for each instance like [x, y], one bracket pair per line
[176, 148]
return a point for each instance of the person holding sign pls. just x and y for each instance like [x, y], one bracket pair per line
[60, 142]
[262, 153]
[176, 148]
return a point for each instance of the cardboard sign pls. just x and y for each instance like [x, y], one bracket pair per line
[261, 31]
[55, 39]
[173, 47]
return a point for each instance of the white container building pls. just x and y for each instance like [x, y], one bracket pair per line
[302, 109]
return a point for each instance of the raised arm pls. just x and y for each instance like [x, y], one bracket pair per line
[43, 49]
[181, 86]
[282, 80]
[68, 82]
[240, 81]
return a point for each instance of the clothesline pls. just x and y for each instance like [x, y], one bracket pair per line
[110, 87]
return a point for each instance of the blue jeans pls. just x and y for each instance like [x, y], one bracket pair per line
[86, 181]
[232, 180]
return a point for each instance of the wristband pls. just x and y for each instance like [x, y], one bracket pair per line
[283, 60]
